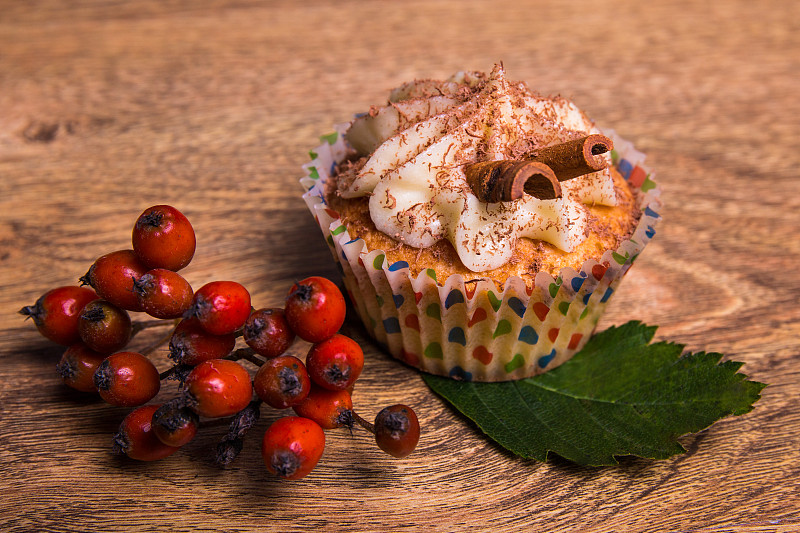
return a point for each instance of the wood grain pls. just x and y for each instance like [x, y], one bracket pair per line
[109, 107]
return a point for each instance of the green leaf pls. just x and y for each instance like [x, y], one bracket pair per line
[618, 396]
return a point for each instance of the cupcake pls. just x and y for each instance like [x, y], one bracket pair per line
[480, 228]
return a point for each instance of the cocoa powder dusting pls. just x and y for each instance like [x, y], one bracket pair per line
[605, 229]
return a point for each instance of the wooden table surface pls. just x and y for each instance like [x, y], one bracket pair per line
[109, 107]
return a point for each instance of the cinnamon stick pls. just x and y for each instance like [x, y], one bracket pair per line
[575, 158]
[503, 181]
[540, 173]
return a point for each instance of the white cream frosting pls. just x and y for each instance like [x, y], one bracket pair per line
[417, 146]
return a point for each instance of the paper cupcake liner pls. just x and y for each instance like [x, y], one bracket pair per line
[442, 327]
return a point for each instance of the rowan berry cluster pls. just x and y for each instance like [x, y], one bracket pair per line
[93, 320]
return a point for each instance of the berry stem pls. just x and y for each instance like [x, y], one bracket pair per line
[253, 359]
[369, 426]
[160, 342]
[248, 354]
[180, 369]
[178, 372]
[139, 325]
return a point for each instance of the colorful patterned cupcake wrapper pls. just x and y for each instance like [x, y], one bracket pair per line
[442, 327]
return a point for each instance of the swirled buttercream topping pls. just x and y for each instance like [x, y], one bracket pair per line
[415, 149]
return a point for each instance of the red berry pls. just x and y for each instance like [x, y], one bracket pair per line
[104, 327]
[397, 430]
[328, 408]
[335, 363]
[136, 438]
[221, 306]
[282, 382]
[78, 365]
[112, 277]
[175, 425]
[315, 309]
[292, 447]
[56, 313]
[218, 388]
[191, 344]
[267, 332]
[163, 293]
[164, 238]
[127, 379]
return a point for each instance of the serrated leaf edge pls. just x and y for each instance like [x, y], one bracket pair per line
[648, 333]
